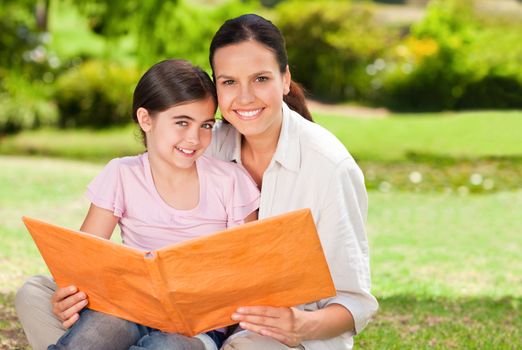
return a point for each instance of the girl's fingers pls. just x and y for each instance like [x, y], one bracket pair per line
[68, 301]
[73, 310]
[62, 293]
[69, 322]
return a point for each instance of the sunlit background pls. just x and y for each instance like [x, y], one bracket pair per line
[427, 96]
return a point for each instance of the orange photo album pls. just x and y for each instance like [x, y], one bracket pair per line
[193, 286]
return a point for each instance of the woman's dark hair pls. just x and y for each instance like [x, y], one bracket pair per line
[256, 28]
[168, 83]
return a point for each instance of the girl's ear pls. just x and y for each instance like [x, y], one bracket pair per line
[287, 79]
[144, 119]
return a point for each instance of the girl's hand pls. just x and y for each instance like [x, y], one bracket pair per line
[67, 303]
[286, 325]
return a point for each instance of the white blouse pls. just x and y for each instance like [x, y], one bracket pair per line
[312, 169]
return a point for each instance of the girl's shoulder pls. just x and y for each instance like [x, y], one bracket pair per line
[218, 167]
[127, 164]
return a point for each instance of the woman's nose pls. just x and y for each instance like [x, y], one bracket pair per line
[246, 95]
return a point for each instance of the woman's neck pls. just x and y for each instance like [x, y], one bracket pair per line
[257, 151]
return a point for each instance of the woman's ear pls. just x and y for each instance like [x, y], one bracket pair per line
[287, 79]
[144, 119]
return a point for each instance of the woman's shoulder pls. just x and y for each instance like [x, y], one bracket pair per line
[322, 144]
[224, 139]
[222, 132]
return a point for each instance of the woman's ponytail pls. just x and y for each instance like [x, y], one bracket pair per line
[295, 99]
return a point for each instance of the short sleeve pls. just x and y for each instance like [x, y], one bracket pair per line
[243, 198]
[106, 190]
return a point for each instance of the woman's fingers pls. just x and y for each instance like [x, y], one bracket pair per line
[280, 323]
[257, 320]
[268, 311]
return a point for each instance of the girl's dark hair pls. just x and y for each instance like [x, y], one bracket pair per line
[256, 28]
[168, 83]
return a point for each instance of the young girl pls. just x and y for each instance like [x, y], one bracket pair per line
[168, 194]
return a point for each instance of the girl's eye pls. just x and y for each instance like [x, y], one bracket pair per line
[207, 126]
[182, 123]
[261, 79]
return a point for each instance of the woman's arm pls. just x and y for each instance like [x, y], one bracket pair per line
[67, 302]
[292, 326]
[340, 223]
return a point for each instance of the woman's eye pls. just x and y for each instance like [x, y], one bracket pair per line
[261, 79]
[228, 82]
[207, 126]
[182, 123]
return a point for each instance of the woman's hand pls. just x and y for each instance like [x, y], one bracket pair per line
[67, 303]
[286, 325]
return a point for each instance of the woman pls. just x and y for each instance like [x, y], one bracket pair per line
[296, 164]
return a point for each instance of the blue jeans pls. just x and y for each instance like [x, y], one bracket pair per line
[98, 331]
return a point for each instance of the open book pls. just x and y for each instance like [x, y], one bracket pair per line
[193, 286]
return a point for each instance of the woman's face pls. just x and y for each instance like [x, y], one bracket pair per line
[250, 87]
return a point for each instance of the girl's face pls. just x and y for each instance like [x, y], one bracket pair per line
[250, 87]
[180, 134]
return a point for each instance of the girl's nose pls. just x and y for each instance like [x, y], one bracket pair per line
[193, 136]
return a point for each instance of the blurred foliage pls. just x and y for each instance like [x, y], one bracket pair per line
[459, 56]
[184, 30]
[174, 28]
[25, 105]
[26, 67]
[96, 94]
[455, 58]
[21, 40]
[330, 44]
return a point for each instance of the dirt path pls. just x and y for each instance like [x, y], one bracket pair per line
[346, 110]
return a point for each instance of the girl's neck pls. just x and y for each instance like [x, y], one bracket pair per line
[179, 188]
[166, 173]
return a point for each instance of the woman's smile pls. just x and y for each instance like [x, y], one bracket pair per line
[249, 114]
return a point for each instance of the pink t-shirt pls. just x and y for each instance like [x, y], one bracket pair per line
[126, 187]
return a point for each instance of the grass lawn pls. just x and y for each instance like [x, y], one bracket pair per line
[399, 138]
[446, 268]
[461, 152]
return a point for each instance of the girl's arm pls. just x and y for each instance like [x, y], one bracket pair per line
[251, 217]
[99, 222]
[69, 301]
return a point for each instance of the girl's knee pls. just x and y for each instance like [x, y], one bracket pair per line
[36, 290]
